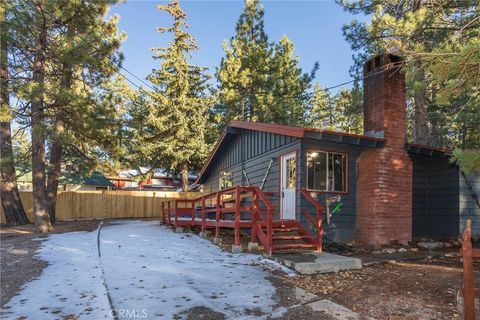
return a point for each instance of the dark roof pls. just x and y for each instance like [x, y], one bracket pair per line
[95, 179]
[299, 132]
[424, 150]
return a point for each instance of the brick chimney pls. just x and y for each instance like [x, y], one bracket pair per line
[384, 175]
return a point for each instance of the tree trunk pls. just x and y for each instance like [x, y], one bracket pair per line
[40, 208]
[184, 178]
[421, 135]
[54, 169]
[56, 152]
[11, 202]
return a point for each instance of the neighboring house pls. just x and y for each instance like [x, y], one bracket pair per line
[70, 181]
[391, 190]
[160, 179]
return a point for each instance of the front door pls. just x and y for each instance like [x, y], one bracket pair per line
[288, 187]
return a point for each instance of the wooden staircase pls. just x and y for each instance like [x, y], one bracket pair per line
[289, 235]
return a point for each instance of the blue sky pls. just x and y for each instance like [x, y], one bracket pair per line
[313, 26]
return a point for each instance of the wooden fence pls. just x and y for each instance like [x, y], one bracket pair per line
[73, 205]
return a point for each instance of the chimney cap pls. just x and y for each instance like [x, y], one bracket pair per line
[382, 61]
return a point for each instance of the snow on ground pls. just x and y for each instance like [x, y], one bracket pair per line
[71, 284]
[151, 270]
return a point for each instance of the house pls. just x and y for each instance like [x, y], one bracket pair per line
[70, 181]
[159, 179]
[388, 189]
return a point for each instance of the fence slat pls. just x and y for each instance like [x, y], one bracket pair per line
[73, 205]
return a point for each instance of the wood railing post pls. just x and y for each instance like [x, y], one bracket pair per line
[217, 216]
[319, 231]
[193, 212]
[203, 214]
[237, 216]
[269, 230]
[175, 213]
[253, 235]
[468, 276]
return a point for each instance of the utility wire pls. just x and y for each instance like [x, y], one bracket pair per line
[117, 64]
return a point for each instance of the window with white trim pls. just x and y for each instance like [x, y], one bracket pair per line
[326, 171]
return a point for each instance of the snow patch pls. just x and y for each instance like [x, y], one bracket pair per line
[71, 284]
[172, 273]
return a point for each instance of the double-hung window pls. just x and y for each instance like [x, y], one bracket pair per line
[326, 171]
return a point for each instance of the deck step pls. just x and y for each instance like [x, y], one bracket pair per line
[290, 237]
[286, 229]
[293, 246]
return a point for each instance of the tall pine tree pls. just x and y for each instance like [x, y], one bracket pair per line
[173, 130]
[244, 74]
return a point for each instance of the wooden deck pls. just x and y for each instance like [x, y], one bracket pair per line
[246, 207]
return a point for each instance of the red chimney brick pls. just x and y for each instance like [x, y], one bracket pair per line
[384, 175]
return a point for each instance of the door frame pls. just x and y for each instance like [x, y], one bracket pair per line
[280, 182]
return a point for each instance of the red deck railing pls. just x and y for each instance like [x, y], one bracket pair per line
[316, 220]
[469, 291]
[249, 206]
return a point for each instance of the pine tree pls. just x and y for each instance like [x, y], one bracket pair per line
[11, 202]
[417, 30]
[244, 74]
[322, 112]
[173, 134]
[65, 89]
[290, 87]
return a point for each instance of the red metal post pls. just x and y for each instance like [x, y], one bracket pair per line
[253, 236]
[217, 216]
[237, 215]
[468, 276]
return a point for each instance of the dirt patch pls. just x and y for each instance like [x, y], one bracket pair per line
[17, 249]
[423, 289]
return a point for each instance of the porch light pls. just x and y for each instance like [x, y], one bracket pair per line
[313, 154]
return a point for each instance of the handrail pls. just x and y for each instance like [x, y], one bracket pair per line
[316, 222]
[256, 212]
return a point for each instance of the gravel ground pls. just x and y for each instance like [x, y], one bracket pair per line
[423, 289]
[17, 250]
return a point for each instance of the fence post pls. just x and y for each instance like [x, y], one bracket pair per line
[468, 276]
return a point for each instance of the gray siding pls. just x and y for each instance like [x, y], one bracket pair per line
[468, 207]
[342, 225]
[252, 151]
[435, 195]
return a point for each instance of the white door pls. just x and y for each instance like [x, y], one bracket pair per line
[289, 183]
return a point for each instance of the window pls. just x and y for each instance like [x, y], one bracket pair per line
[326, 171]
[226, 181]
[291, 176]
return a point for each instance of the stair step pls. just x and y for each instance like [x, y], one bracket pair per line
[293, 246]
[290, 237]
[285, 229]
[284, 223]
